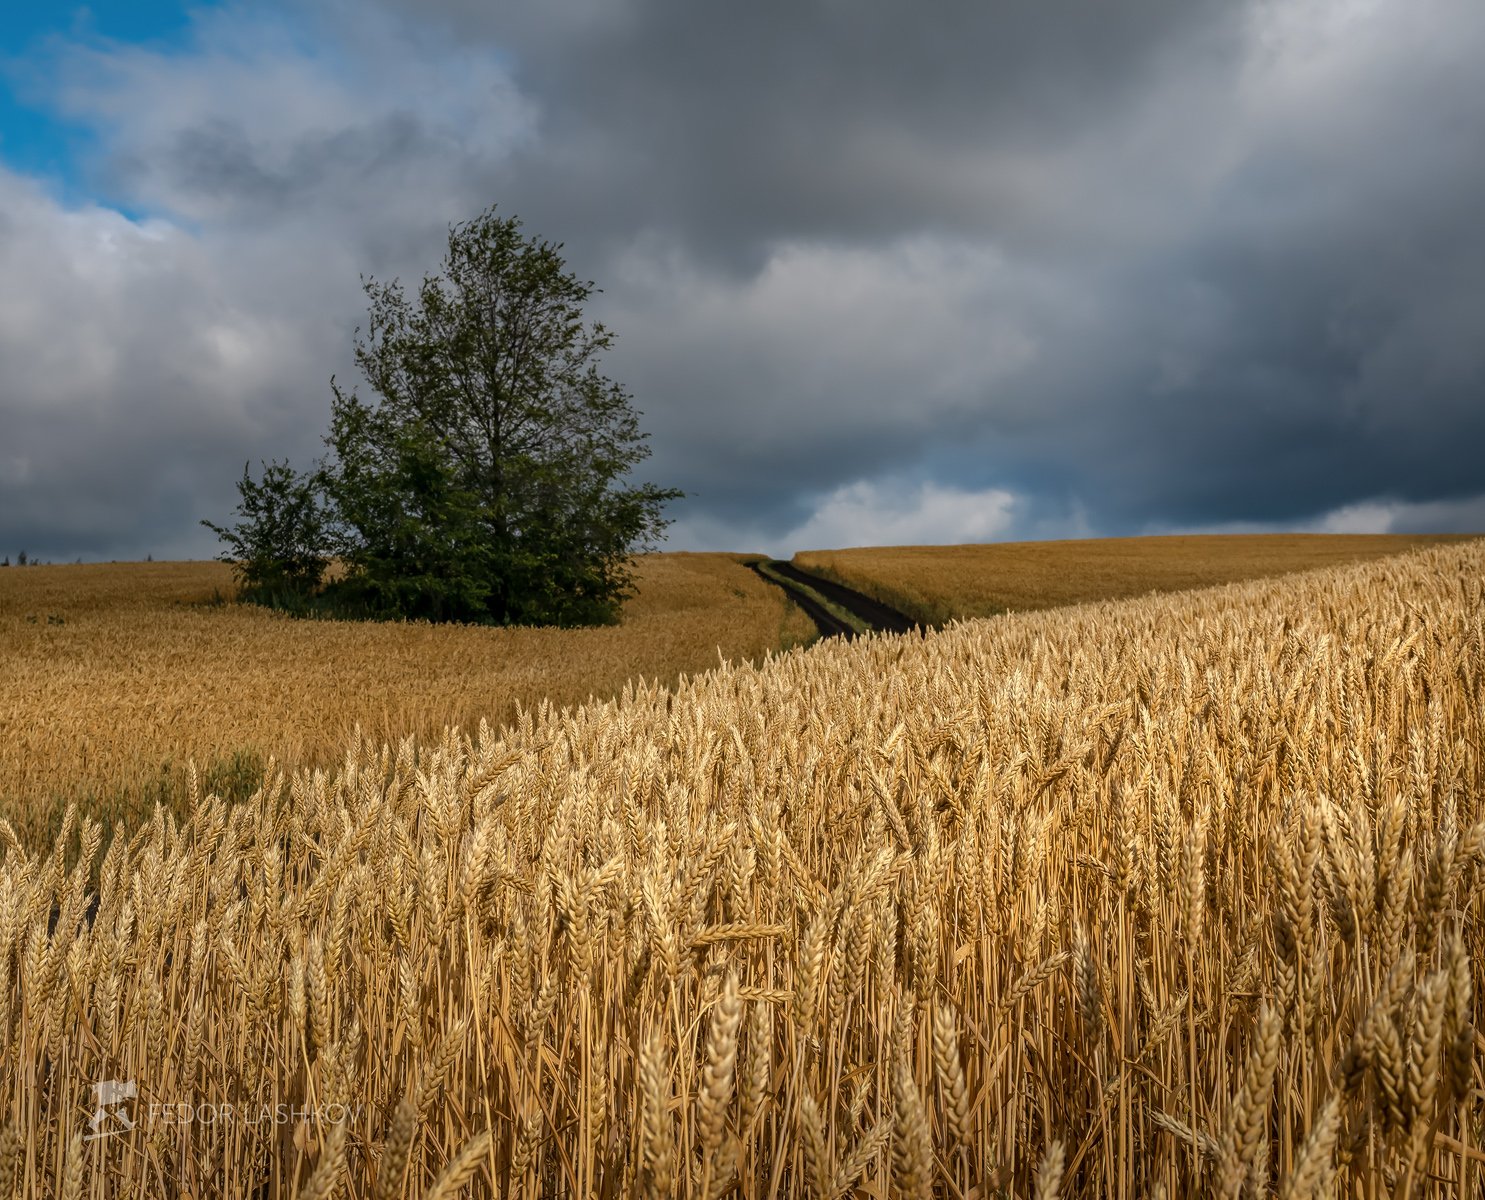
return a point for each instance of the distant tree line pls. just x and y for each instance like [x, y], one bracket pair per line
[488, 478]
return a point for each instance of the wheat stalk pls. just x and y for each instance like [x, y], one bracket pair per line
[1032, 883]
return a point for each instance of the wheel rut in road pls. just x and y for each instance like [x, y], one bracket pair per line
[872, 613]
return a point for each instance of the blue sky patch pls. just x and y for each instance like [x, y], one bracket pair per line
[36, 141]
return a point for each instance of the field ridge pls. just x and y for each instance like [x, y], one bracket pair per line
[937, 584]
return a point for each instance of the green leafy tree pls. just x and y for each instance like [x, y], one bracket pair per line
[488, 479]
[279, 544]
[409, 534]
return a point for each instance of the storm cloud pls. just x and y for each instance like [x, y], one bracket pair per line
[877, 273]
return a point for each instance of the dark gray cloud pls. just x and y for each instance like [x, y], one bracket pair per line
[878, 273]
[732, 128]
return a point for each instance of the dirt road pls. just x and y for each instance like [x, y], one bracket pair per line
[872, 613]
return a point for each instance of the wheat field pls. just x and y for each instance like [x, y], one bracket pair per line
[117, 675]
[1165, 897]
[938, 584]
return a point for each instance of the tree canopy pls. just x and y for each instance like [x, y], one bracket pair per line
[487, 475]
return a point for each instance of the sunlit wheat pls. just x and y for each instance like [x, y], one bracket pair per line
[1174, 896]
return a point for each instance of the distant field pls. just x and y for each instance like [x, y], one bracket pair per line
[936, 584]
[115, 675]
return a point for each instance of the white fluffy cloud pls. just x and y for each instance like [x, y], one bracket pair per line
[868, 514]
[889, 512]
[353, 116]
[1381, 516]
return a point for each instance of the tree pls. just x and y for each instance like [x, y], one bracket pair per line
[279, 545]
[489, 479]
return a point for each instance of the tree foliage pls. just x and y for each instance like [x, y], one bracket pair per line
[487, 477]
[279, 544]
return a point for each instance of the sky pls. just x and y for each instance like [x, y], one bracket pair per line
[878, 273]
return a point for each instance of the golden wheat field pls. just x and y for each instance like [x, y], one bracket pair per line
[937, 584]
[1166, 897]
[116, 675]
